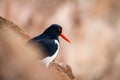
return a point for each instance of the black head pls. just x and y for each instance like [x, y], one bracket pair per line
[54, 31]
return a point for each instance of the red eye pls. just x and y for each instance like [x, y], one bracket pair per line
[59, 29]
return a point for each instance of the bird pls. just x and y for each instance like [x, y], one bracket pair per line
[49, 42]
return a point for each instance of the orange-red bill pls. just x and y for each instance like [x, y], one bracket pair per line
[65, 38]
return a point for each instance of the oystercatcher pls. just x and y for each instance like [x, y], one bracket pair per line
[49, 42]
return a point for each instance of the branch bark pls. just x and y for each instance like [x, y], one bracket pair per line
[20, 62]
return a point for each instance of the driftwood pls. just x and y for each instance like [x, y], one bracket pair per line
[20, 62]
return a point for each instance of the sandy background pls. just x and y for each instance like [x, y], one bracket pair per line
[92, 26]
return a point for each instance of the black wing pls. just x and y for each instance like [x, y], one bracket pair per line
[48, 45]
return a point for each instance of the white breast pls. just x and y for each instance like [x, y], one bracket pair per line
[48, 60]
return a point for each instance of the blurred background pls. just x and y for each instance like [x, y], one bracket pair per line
[91, 25]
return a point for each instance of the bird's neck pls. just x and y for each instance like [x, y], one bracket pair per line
[51, 36]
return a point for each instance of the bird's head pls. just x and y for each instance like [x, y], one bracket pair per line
[54, 31]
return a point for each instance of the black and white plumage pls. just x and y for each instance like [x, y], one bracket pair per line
[49, 42]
